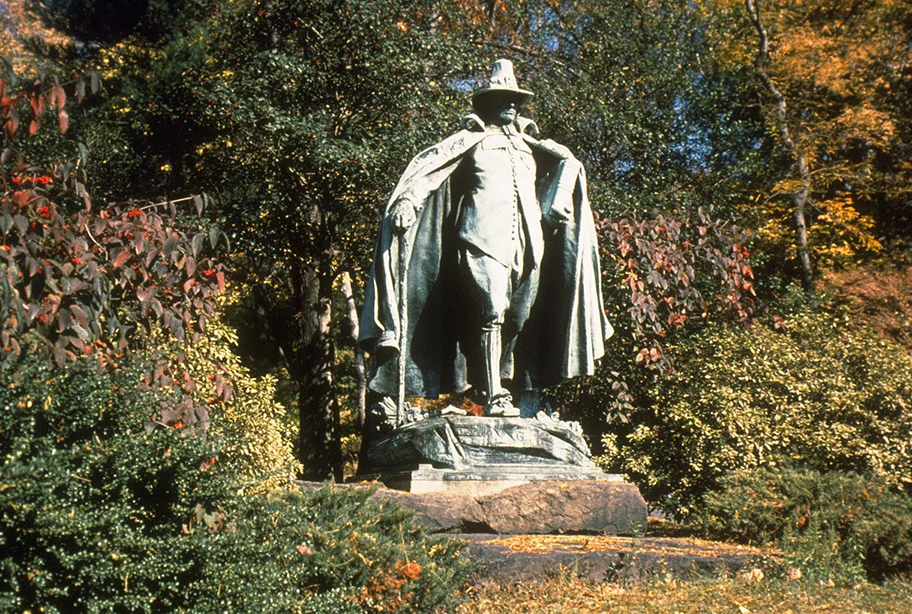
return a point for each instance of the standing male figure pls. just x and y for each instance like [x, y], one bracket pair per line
[489, 247]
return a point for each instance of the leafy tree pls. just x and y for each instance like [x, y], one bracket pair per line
[295, 115]
[20, 31]
[670, 272]
[833, 75]
[107, 21]
[639, 92]
[110, 498]
[77, 281]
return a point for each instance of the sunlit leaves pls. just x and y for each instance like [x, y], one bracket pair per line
[840, 67]
[807, 392]
[672, 272]
[82, 283]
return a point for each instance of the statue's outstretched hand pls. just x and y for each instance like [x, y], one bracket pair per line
[403, 213]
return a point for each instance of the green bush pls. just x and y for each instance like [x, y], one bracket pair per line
[833, 526]
[93, 495]
[811, 393]
[328, 550]
[103, 510]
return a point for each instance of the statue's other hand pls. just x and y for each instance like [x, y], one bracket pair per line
[557, 216]
[403, 214]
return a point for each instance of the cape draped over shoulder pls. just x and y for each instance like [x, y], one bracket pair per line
[566, 333]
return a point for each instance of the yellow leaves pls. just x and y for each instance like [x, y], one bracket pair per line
[866, 123]
[806, 54]
[253, 424]
[838, 236]
[17, 23]
[789, 185]
[841, 233]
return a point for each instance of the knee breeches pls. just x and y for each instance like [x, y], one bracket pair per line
[503, 293]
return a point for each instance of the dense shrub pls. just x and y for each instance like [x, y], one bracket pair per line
[832, 526]
[662, 277]
[93, 494]
[257, 434]
[105, 509]
[328, 551]
[811, 393]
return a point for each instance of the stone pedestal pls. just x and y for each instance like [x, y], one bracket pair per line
[501, 475]
[596, 507]
[482, 481]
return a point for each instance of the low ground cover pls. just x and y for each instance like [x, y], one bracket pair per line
[719, 595]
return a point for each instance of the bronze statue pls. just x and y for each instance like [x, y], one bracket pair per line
[486, 270]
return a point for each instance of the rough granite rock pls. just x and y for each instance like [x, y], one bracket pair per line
[585, 506]
[439, 512]
[537, 508]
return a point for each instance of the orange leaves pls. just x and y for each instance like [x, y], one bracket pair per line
[837, 64]
[64, 119]
[385, 592]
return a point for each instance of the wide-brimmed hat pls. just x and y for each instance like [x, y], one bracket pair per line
[502, 82]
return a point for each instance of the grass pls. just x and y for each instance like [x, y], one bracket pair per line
[563, 595]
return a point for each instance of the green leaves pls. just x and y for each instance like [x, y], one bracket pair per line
[809, 394]
[834, 526]
[76, 284]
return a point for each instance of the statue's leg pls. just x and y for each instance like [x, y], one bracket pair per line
[492, 280]
[500, 401]
[524, 291]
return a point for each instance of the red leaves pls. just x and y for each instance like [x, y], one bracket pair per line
[70, 284]
[672, 272]
[42, 99]
[121, 258]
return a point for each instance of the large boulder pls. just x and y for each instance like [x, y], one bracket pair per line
[549, 507]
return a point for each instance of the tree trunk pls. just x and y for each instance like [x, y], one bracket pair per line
[354, 325]
[800, 196]
[320, 442]
[800, 199]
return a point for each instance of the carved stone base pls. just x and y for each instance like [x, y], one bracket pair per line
[480, 481]
[501, 475]
[472, 443]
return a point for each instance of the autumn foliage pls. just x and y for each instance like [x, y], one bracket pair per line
[80, 280]
[670, 271]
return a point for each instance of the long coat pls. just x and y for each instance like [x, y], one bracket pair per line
[566, 333]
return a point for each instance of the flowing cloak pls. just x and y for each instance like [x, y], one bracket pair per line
[567, 328]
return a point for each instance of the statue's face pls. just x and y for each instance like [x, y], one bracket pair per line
[500, 110]
[506, 112]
